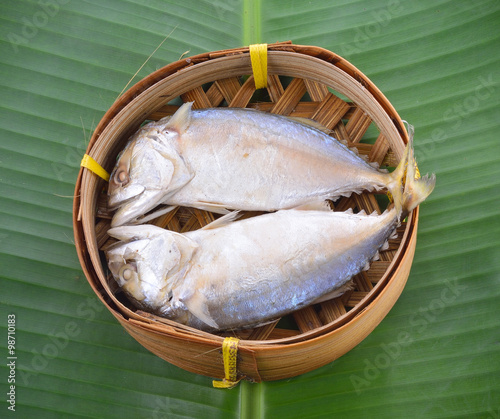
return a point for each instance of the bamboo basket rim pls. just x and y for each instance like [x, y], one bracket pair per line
[295, 56]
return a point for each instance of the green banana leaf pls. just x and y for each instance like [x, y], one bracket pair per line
[64, 62]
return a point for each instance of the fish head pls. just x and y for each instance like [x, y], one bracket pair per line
[147, 262]
[148, 171]
[122, 186]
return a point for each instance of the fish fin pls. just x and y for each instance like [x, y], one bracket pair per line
[222, 221]
[181, 119]
[311, 123]
[335, 293]
[129, 233]
[317, 205]
[153, 215]
[197, 305]
[211, 207]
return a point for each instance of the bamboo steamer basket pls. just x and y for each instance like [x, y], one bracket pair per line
[303, 81]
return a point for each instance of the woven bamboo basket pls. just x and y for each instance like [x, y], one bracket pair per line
[303, 81]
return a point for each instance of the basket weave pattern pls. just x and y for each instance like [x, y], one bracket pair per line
[297, 87]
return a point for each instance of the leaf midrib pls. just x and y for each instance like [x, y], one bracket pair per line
[252, 22]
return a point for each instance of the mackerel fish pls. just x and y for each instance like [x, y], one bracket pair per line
[234, 159]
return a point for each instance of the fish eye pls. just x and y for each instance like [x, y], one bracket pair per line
[121, 177]
[127, 272]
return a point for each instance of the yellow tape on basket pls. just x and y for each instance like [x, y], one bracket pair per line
[258, 57]
[229, 355]
[89, 163]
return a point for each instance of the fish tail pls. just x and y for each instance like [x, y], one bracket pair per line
[397, 178]
[407, 188]
[416, 188]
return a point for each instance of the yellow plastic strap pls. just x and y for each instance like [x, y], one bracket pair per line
[229, 355]
[89, 163]
[258, 56]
